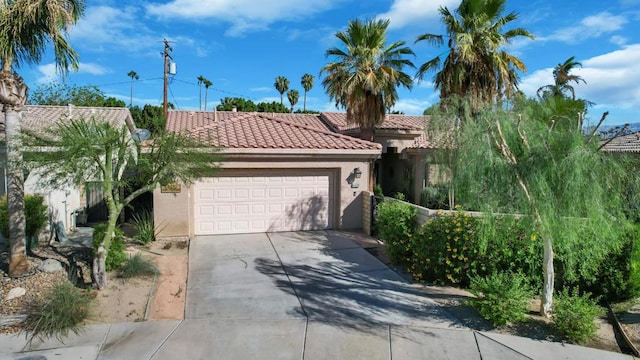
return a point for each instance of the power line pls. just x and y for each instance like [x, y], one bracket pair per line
[219, 90]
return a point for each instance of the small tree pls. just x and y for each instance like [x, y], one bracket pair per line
[570, 193]
[134, 76]
[281, 84]
[79, 151]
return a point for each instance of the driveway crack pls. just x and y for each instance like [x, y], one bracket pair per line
[288, 277]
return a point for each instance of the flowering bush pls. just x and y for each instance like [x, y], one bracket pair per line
[444, 249]
[395, 224]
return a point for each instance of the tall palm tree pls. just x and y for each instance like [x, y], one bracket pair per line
[282, 85]
[307, 84]
[562, 77]
[134, 76]
[293, 96]
[366, 73]
[476, 64]
[201, 80]
[27, 26]
[207, 83]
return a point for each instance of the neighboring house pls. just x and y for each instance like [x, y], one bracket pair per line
[63, 204]
[285, 172]
[627, 143]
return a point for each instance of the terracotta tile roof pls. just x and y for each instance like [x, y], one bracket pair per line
[41, 116]
[338, 121]
[263, 131]
[627, 143]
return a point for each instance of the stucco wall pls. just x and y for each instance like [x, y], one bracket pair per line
[174, 211]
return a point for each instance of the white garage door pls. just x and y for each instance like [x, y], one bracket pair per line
[232, 205]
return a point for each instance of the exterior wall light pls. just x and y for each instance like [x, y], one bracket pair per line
[357, 173]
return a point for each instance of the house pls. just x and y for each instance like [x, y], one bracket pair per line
[64, 204]
[286, 172]
[629, 143]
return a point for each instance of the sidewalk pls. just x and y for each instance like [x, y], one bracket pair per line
[286, 339]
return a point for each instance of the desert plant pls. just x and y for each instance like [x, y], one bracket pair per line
[501, 298]
[116, 254]
[146, 230]
[574, 315]
[63, 310]
[36, 216]
[395, 223]
[435, 197]
[137, 266]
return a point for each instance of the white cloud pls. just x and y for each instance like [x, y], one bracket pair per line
[405, 12]
[262, 89]
[613, 80]
[92, 69]
[589, 27]
[243, 15]
[412, 106]
[49, 73]
[618, 40]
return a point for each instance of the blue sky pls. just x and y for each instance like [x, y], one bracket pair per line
[242, 45]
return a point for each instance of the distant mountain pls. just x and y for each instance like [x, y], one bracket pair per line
[610, 130]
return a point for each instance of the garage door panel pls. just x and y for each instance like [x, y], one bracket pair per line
[261, 203]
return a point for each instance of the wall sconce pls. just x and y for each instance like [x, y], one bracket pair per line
[357, 173]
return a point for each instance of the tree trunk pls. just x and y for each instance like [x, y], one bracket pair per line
[547, 290]
[99, 268]
[13, 95]
[366, 133]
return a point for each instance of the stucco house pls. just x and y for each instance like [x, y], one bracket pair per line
[288, 172]
[64, 204]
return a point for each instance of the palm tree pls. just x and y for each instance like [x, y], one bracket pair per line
[282, 85]
[307, 84]
[562, 77]
[476, 64]
[27, 27]
[207, 83]
[293, 96]
[201, 80]
[134, 76]
[366, 73]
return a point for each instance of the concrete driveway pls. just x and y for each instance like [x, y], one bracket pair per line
[298, 295]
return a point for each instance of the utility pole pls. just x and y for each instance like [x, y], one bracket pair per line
[166, 56]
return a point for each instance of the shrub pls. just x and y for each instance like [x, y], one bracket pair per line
[444, 250]
[435, 197]
[574, 316]
[501, 298]
[395, 223]
[145, 228]
[36, 217]
[377, 190]
[618, 277]
[116, 254]
[137, 266]
[65, 309]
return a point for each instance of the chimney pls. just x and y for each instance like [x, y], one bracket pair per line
[234, 109]
[70, 108]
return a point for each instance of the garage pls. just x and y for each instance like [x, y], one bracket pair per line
[250, 204]
[274, 172]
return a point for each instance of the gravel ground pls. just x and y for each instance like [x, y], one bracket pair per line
[37, 285]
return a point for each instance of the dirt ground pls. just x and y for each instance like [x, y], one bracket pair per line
[140, 299]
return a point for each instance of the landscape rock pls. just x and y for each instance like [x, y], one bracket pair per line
[16, 293]
[50, 266]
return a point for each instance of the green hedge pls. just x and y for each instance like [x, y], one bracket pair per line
[395, 224]
[451, 249]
